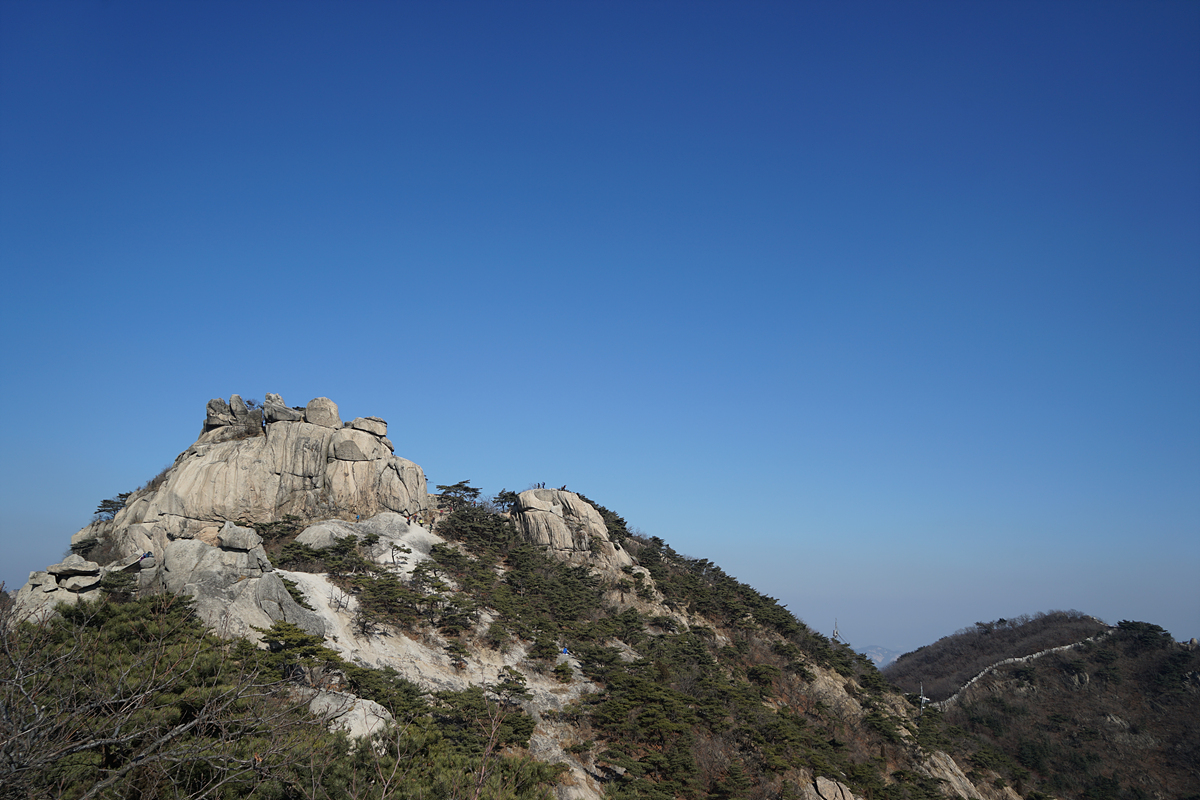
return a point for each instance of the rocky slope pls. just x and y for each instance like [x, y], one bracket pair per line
[198, 530]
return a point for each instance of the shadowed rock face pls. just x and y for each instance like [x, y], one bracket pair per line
[569, 526]
[234, 585]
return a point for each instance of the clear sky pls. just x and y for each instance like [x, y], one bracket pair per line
[890, 309]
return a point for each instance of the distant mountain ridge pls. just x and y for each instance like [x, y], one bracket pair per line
[1072, 707]
[880, 656]
[945, 666]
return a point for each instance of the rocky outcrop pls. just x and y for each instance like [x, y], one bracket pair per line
[371, 425]
[398, 542]
[75, 578]
[821, 788]
[303, 463]
[569, 527]
[310, 467]
[942, 767]
[275, 411]
[354, 715]
[233, 584]
[234, 415]
[324, 412]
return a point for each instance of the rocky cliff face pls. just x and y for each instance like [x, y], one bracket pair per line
[181, 533]
[246, 466]
[569, 527]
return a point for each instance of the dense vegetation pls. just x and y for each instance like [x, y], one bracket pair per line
[945, 666]
[716, 697]
[705, 688]
[721, 706]
[135, 699]
[1113, 719]
[706, 685]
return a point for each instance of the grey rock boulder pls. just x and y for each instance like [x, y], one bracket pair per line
[568, 526]
[217, 414]
[412, 542]
[233, 594]
[354, 715]
[355, 445]
[237, 406]
[324, 412]
[325, 534]
[74, 565]
[282, 414]
[233, 537]
[79, 583]
[387, 525]
[274, 410]
[370, 424]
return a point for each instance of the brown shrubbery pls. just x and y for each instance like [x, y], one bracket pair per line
[1110, 718]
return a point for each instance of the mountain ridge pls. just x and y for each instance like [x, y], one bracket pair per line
[293, 530]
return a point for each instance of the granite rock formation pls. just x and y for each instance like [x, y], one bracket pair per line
[247, 466]
[569, 527]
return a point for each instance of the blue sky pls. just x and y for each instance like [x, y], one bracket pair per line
[892, 310]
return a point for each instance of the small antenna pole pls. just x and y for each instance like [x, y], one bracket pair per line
[837, 636]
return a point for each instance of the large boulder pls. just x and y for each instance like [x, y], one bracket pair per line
[234, 592]
[274, 410]
[68, 582]
[370, 424]
[354, 715]
[233, 420]
[239, 409]
[74, 565]
[324, 412]
[325, 534]
[568, 526]
[217, 414]
[387, 528]
[355, 445]
[233, 537]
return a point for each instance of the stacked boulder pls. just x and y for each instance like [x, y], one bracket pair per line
[305, 463]
[73, 579]
[247, 466]
[234, 419]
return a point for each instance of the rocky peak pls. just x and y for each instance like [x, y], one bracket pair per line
[569, 527]
[247, 466]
